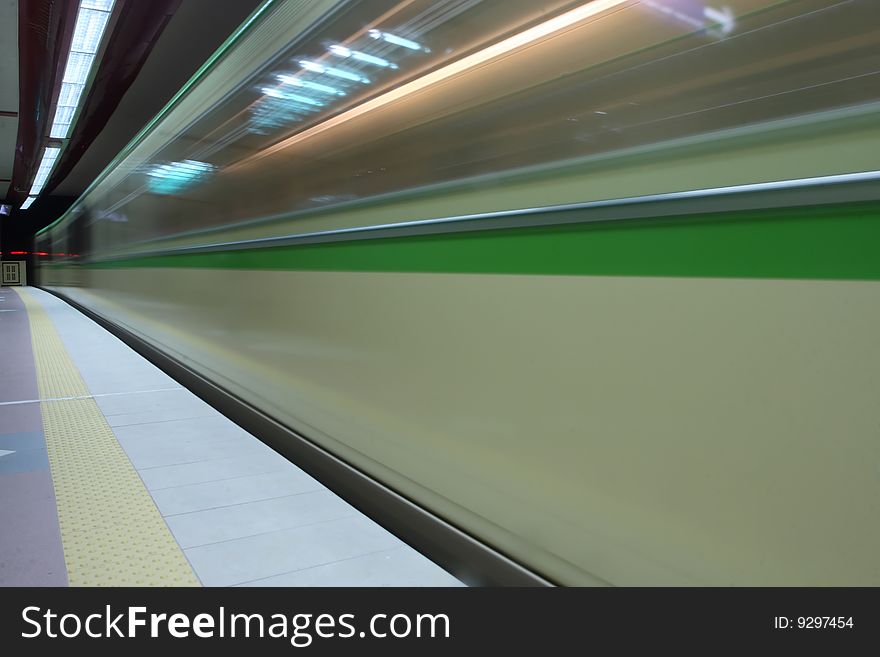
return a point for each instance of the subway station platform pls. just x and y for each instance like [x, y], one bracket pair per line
[112, 474]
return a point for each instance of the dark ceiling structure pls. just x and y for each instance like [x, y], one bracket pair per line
[150, 50]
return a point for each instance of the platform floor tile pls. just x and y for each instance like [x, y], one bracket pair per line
[111, 531]
[394, 567]
[237, 511]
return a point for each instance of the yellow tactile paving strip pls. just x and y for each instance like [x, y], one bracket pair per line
[111, 531]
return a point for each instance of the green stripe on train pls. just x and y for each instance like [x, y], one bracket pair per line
[824, 242]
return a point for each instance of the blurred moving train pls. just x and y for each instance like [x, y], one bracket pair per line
[596, 283]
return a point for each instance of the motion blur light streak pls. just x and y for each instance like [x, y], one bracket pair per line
[696, 14]
[290, 79]
[342, 51]
[396, 40]
[335, 72]
[274, 93]
[176, 176]
[278, 109]
[494, 51]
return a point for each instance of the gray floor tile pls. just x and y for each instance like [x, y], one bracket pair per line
[37, 561]
[24, 460]
[197, 497]
[152, 417]
[266, 555]
[157, 406]
[205, 429]
[156, 452]
[150, 401]
[258, 462]
[397, 567]
[17, 418]
[132, 379]
[23, 452]
[30, 540]
[227, 523]
[22, 440]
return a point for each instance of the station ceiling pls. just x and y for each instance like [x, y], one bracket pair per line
[8, 89]
[151, 50]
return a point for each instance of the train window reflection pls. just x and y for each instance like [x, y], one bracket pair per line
[386, 97]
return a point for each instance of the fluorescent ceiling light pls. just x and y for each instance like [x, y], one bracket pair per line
[89, 29]
[64, 113]
[50, 155]
[59, 130]
[78, 66]
[28, 202]
[103, 5]
[70, 93]
[91, 21]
